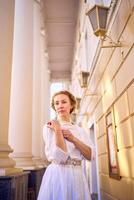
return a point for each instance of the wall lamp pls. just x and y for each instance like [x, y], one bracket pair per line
[78, 100]
[98, 17]
[91, 94]
[83, 78]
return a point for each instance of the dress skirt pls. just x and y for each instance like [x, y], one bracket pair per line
[64, 182]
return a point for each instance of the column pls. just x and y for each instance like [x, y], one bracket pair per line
[20, 126]
[36, 122]
[41, 87]
[45, 92]
[6, 43]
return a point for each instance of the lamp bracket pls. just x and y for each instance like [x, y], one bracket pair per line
[82, 114]
[111, 43]
[91, 94]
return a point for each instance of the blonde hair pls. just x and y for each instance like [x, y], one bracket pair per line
[70, 96]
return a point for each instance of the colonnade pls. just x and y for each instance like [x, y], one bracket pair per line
[24, 86]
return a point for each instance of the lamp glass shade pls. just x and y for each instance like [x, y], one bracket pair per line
[84, 79]
[102, 15]
[78, 100]
[93, 19]
[98, 19]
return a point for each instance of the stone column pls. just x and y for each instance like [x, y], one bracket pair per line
[6, 43]
[41, 88]
[45, 92]
[20, 127]
[36, 123]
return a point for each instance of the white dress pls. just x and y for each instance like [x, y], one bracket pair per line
[64, 182]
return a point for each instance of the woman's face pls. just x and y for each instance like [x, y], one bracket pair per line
[62, 105]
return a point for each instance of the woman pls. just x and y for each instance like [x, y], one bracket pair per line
[66, 145]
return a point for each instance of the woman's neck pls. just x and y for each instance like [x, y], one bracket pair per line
[64, 119]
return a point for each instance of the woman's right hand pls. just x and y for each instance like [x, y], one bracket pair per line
[55, 125]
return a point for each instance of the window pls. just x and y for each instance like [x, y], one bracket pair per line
[112, 147]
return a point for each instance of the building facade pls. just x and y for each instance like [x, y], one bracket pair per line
[106, 107]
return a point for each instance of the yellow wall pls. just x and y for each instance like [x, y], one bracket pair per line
[116, 86]
[112, 78]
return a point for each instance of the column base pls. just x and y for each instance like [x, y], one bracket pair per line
[24, 161]
[10, 171]
[6, 162]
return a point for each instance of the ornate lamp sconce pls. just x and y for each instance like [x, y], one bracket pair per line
[98, 17]
[78, 100]
[83, 79]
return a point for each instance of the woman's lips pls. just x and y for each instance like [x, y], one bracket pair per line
[61, 110]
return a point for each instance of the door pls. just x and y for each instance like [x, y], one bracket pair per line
[92, 169]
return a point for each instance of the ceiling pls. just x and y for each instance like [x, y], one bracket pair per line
[60, 22]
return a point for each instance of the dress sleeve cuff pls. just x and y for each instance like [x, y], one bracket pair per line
[93, 153]
[60, 155]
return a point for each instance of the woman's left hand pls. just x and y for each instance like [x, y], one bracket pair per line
[68, 135]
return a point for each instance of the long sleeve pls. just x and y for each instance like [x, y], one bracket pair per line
[86, 140]
[52, 151]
